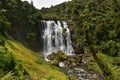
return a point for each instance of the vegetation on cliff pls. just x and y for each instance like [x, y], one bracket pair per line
[97, 25]
[19, 26]
[23, 21]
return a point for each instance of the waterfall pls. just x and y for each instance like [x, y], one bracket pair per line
[55, 36]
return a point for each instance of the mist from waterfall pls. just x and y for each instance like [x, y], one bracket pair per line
[55, 36]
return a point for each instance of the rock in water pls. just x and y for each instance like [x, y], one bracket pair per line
[61, 64]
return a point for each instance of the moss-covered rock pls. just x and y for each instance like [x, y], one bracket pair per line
[57, 57]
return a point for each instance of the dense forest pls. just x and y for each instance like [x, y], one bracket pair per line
[15, 18]
[21, 17]
[100, 19]
[96, 25]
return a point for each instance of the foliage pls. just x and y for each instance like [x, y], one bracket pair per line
[7, 62]
[24, 19]
[4, 23]
[21, 21]
[9, 68]
[99, 18]
[113, 68]
[57, 57]
[33, 63]
[20, 72]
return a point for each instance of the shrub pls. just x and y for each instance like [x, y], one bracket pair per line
[20, 72]
[7, 62]
[57, 57]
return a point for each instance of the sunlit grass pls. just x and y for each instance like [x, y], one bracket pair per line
[92, 65]
[109, 61]
[38, 69]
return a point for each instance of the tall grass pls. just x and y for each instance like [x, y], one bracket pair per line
[113, 69]
[36, 67]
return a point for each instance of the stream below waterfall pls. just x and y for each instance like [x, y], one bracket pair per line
[75, 66]
[55, 36]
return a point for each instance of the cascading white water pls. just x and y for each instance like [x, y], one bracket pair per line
[55, 36]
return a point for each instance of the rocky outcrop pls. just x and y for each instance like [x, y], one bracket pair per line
[74, 65]
[78, 48]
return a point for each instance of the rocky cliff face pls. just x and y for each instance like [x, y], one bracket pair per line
[74, 36]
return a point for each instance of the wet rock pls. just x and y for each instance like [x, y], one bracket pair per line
[74, 66]
[61, 64]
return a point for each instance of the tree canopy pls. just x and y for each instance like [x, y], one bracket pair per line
[100, 18]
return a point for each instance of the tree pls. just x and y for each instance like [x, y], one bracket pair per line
[4, 23]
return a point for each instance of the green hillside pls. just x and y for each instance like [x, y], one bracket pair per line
[18, 61]
[95, 26]
[36, 67]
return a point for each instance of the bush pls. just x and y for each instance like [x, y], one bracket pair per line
[116, 61]
[110, 47]
[8, 67]
[20, 72]
[57, 57]
[7, 62]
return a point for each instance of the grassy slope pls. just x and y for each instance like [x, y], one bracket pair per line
[108, 61]
[38, 69]
[114, 69]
